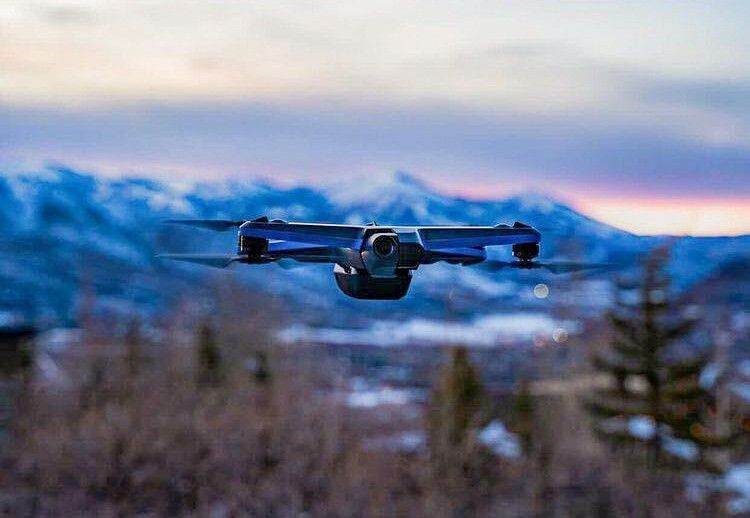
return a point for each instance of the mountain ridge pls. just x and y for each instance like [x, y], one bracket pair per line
[62, 224]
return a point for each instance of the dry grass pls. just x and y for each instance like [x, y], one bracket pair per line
[152, 441]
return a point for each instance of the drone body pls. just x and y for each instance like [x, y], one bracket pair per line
[372, 261]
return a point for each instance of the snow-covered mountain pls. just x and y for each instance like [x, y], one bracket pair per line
[66, 232]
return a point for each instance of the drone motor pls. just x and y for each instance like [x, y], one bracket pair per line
[252, 247]
[525, 252]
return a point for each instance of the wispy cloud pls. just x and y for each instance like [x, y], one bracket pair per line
[603, 99]
[301, 141]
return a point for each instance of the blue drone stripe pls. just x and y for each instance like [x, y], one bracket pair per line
[299, 236]
[470, 242]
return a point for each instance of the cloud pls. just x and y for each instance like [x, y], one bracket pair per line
[67, 15]
[547, 56]
[603, 98]
[307, 141]
[730, 96]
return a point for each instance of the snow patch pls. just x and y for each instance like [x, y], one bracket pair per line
[362, 395]
[58, 339]
[484, 331]
[408, 441]
[741, 389]
[737, 481]
[680, 448]
[709, 375]
[533, 201]
[501, 441]
[642, 427]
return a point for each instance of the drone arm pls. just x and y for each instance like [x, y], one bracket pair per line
[307, 253]
[214, 260]
[454, 256]
[218, 225]
[440, 238]
[343, 236]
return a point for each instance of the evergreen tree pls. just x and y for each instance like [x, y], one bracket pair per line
[209, 369]
[261, 368]
[649, 377]
[457, 403]
[523, 415]
[456, 410]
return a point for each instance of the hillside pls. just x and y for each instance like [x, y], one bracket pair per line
[68, 232]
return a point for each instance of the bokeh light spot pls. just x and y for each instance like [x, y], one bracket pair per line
[560, 335]
[541, 291]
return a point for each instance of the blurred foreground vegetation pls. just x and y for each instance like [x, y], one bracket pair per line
[216, 419]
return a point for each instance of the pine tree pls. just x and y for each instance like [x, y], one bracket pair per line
[649, 378]
[457, 402]
[261, 368]
[209, 369]
[456, 410]
[523, 415]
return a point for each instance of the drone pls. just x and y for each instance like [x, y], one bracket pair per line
[374, 261]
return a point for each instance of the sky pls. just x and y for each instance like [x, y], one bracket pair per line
[636, 112]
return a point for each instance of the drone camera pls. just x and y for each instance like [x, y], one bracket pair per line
[380, 254]
[385, 246]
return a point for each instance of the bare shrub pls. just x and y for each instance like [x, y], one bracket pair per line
[153, 440]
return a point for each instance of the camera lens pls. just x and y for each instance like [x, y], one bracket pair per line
[384, 246]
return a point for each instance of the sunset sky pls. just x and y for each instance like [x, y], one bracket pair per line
[637, 112]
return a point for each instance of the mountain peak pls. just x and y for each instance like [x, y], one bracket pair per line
[398, 185]
[408, 179]
[535, 200]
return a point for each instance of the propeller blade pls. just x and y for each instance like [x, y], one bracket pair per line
[290, 264]
[218, 225]
[214, 260]
[493, 265]
[563, 267]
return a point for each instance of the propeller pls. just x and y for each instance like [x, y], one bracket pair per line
[219, 225]
[215, 260]
[494, 265]
[290, 264]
